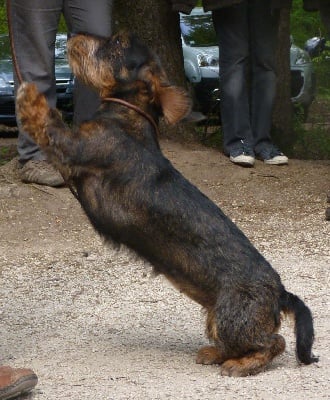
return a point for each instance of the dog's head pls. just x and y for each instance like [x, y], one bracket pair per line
[122, 63]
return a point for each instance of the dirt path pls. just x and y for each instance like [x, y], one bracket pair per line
[95, 324]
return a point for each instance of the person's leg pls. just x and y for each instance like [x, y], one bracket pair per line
[33, 26]
[90, 17]
[231, 25]
[263, 24]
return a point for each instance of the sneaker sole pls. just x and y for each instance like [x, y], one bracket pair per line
[244, 162]
[276, 162]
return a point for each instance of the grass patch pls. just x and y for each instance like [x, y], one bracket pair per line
[7, 153]
[313, 143]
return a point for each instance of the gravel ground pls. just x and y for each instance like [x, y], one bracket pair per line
[93, 321]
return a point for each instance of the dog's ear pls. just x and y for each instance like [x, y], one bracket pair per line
[175, 103]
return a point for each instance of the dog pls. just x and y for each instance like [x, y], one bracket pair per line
[134, 196]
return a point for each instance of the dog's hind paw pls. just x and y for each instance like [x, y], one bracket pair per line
[32, 111]
[244, 366]
[209, 355]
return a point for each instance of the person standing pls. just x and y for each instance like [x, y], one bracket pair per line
[33, 26]
[247, 37]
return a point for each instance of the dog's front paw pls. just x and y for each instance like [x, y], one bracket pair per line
[32, 111]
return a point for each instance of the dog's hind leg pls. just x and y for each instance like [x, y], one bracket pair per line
[255, 361]
[210, 355]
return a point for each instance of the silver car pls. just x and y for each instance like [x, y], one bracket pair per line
[201, 64]
[303, 83]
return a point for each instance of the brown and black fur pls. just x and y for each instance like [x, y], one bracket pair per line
[133, 195]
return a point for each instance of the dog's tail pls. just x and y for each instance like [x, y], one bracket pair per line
[304, 329]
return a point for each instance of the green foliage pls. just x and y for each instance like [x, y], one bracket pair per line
[62, 25]
[3, 17]
[304, 25]
[7, 153]
[312, 143]
[322, 71]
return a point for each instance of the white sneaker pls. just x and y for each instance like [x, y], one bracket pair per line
[243, 159]
[277, 160]
[242, 154]
[273, 156]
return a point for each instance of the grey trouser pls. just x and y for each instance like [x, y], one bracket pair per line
[34, 25]
[247, 37]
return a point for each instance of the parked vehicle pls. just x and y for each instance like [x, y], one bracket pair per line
[63, 74]
[303, 82]
[315, 46]
[201, 58]
[201, 64]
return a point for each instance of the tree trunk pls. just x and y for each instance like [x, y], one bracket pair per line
[156, 24]
[282, 132]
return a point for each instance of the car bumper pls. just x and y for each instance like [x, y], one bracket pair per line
[7, 107]
[303, 86]
[7, 110]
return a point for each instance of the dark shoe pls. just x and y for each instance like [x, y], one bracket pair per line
[272, 155]
[16, 381]
[41, 172]
[242, 155]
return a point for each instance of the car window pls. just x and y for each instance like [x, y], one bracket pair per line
[60, 47]
[198, 30]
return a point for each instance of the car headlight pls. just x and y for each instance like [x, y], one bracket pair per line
[207, 61]
[302, 58]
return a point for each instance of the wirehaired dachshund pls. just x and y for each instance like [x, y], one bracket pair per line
[134, 196]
